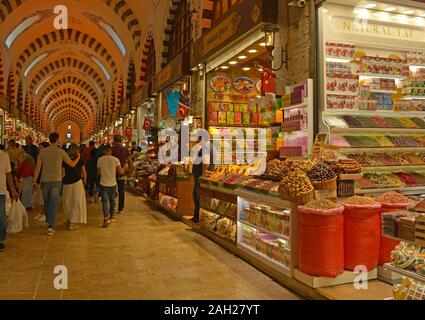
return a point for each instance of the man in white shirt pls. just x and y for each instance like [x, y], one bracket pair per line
[107, 167]
[5, 175]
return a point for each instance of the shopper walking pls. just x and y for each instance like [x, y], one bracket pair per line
[30, 148]
[74, 196]
[25, 173]
[92, 174]
[124, 156]
[108, 167]
[40, 216]
[50, 164]
[5, 175]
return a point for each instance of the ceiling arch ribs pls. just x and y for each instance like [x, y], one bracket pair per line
[70, 92]
[62, 99]
[75, 39]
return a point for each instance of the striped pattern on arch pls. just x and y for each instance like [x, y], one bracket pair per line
[7, 7]
[148, 47]
[168, 29]
[58, 36]
[2, 87]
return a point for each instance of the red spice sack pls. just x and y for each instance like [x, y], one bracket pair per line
[362, 236]
[321, 243]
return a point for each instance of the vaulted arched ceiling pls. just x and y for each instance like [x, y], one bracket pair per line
[73, 74]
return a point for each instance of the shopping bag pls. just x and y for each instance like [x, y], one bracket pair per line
[37, 196]
[17, 218]
[8, 204]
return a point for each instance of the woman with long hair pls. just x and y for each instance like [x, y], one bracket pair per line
[74, 195]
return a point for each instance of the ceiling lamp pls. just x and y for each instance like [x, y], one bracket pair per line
[242, 57]
[233, 62]
[370, 5]
[21, 28]
[390, 9]
[409, 11]
[252, 51]
[224, 67]
[246, 69]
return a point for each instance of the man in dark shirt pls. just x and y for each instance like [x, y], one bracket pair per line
[30, 148]
[197, 170]
[123, 154]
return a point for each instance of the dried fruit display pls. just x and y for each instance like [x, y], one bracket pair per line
[384, 180]
[394, 197]
[276, 170]
[347, 166]
[295, 184]
[405, 141]
[352, 122]
[321, 172]
[406, 178]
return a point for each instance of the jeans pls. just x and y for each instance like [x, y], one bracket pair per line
[121, 195]
[98, 186]
[108, 195]
[51, 194]
[2, 217]
[196, 199]
[26, 194]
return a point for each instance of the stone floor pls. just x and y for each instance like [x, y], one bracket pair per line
[144, 255]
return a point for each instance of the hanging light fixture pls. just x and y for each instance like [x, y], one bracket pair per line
[270, 31]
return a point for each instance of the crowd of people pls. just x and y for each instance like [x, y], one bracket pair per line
[69, 172]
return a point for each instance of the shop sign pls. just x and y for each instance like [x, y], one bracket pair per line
[372, 28]
[237, 22]
[173, 71]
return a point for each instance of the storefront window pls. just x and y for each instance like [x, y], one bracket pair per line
[222, 6]
[180, 31]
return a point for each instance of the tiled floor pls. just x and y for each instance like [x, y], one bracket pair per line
[144, 255]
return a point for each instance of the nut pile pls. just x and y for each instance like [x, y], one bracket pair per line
[276, 169]
[322, 204]
[348, 166]
[295, 184]
[394, 197]
[360, 201]
[321, 172]
[300, 165]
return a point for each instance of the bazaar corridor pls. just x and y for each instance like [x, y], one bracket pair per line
[144, 255]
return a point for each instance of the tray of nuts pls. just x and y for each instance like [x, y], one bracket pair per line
[296, 187]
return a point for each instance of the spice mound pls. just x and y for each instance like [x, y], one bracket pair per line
[322, 204]
[394, 197]
[360, 201]
[321, 172]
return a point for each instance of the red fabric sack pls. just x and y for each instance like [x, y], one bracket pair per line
[321, 242]
[362, 236]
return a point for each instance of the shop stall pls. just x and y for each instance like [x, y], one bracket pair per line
[372, 90]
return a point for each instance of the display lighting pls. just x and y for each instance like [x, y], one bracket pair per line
[402, 18]
[253, 51]
[242, 57]
[224, 67]
[233, 62]
[390, 9]
[262, 44]
[246, 69]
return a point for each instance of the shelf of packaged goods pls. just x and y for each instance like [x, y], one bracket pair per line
[217, 237]
[410, 274]
[412, 114]
[397, 239]
[413, 97]
[212, 187]
[224, 215]
[382, 76]
[341, 93]
[382, 150]
[383, 91]
[394, 168]
[376, 130]
[264, 199]
[404, 190]
[276, 264]
[295, 106]
[277, 235]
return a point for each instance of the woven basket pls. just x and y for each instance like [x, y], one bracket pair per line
[330, 184]
[412, 260]
[301, 199]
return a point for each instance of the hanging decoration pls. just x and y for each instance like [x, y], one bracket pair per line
[173, 99]
[147, 124]
[129, 133]
[268, 81]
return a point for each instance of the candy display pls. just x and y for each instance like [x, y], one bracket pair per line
[381, 65]
[347, 166]
[321, 172]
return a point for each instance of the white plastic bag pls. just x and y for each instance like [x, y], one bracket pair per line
[17, 218]
[37, 196]
[8, 204]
